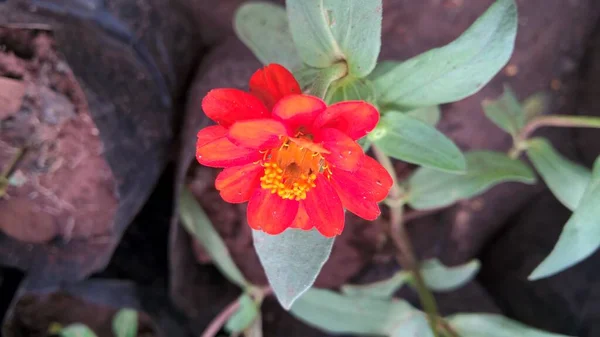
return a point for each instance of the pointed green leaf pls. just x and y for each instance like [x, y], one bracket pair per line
[438, 277]
[197, 223]
[409, 139]
[246, 314]
[350, 88]
[335, 313]
[535, 105]
[327, 31]
[384, 289]
[125, 323]
[505, 112]
[432, 189]
[492, 325]
[429, 114]
[457, 70]
[292, 260]
[77, 330]
[565, 179]
[581, 235]
[264, 29]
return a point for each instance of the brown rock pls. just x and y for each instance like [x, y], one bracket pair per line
[11, 96]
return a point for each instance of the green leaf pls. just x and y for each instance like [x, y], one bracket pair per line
[255, 329]
[292, 260]
[384, 289]
[429, 114]
[306, 76]
[432, 189]
[437, 277]
[264, 29]
[441, 278]
[414, 324]
[505, 112]
[199, 225]
[535, 105]
[350, 88]
[125, 323]
[335, 313]
[365, 143]
[409, 139]
[243, 318]
[493, 325]
[457, 70]
[565, 179]
[77, 330]
[327, 31]
[581, 235]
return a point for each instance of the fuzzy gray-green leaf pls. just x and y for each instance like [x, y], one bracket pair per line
[199, 225]
[263, 27]
[125, 323]
[406, 138]
[432, 189]
[506, 112]
[566, 180]
[457, 70]
[328, 31]
[493, 325]
[292, 260]
[581, 235]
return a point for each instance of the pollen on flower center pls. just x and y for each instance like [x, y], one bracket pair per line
[291, 170]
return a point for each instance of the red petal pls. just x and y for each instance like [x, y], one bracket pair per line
[237, 183]
[223, 153]
[272, 83]
[354, 118]
[270, 213]
[226, 106]
[298, 110]
[345, 153]
[257, 133]
[302, 221]
[370, 181]
[324, 208]
[209, 134]
[357, 204]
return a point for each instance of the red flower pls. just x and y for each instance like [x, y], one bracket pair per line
[293, 158]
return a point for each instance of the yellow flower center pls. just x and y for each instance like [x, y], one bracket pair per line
[291, 169]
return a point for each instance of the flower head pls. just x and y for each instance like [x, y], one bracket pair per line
[295, 160]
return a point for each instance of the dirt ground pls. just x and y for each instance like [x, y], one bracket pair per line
[61, 185]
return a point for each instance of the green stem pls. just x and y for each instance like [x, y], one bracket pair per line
[406, 256]
[554, 121]
[325, 77]
[559, 121]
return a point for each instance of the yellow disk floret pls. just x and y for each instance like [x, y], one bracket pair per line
[275, 180]
[291, 170]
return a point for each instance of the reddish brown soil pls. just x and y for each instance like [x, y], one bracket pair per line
[62, 185]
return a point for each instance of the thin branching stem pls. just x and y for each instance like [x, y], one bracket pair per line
[553, 121]
[217, 323]
[406, 256]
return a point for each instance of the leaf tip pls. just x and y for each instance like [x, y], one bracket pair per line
[540, 272]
